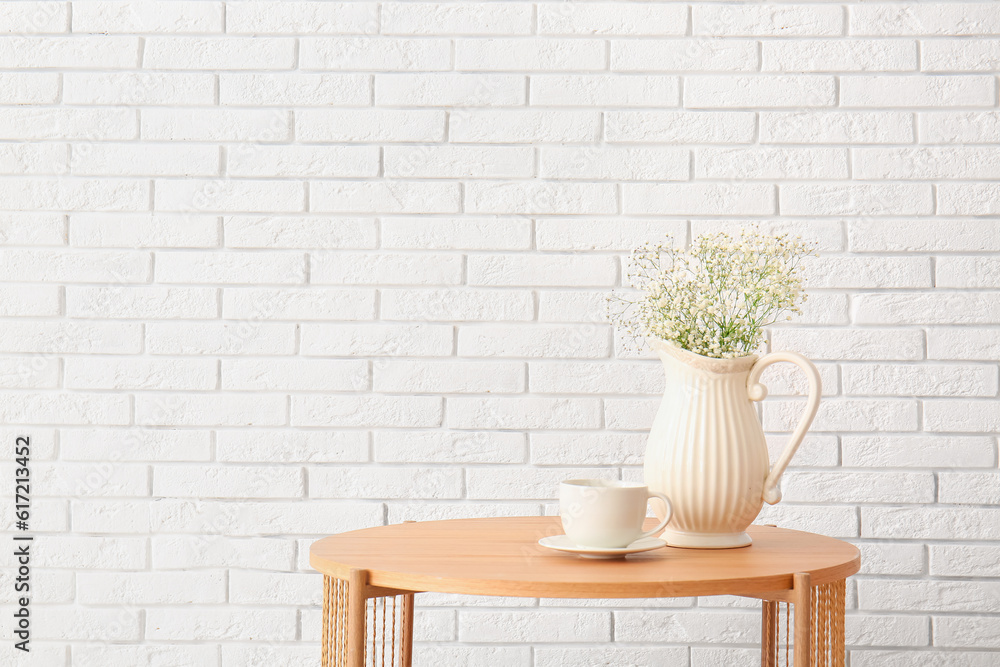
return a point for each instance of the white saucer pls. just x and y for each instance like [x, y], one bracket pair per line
[562, 543]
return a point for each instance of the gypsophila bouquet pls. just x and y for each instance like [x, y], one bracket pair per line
[716, 297]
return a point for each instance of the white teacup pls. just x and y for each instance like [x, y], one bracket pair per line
[606, 513]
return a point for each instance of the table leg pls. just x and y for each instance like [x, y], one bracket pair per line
[802, 590]
[352, 639]
[357, 581]
[406, 640]
[769, 634]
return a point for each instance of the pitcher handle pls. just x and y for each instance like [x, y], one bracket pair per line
[758, 392]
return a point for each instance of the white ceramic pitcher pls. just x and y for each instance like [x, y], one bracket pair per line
[706, 450]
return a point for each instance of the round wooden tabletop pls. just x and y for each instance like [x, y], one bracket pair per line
[501, 556]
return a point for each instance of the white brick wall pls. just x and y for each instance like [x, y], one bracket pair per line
[277, 269]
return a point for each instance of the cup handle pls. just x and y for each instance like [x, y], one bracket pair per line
[666, 519]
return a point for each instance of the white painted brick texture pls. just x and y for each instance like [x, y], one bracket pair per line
[271, 270]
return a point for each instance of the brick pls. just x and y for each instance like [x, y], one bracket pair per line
[964, 343]
[788, 380]
[506, 197]
[960, 55]
[70, 337]
[967, 272]
[969, 488]
[112, 516]
[303, 161]
[458, 162]
[918, 451]
[962, 416]
[768, 91]
[620, 90]
[27, 300]
[623, 235]
[968, 199]
[668, 626]
[921, 380]
[370, 125]
[449, 447]
[928, 308]
[780, 20]
[609, 162]
[867, 199]
[75, 623]
[282, 446]
[841, 522]
[74, 194]
[684, 55]
[101, 230]
[310, 303]
[136, 444]
[366, 410]
[523, 413]
[29, 88]
[840, 272]
[438, 510]
[930, 523]
[475, 656]
[213, 124]
[824, 55]
[385, 197]
[572, 305]
[309, 18]
[87, 552]
[234, 655]
[220, 338]
[34, 159]
[111, 655]
[917, 91]
[145, 160]
[959, 127]
[924, 19]
[529, 55]
[411, 340]
[128, 302]
[845, 415]
[182, 552]
[281, 89]
[385, 482]
[25, 373]
[935, 658]
[295, 375]
[208, 623]
[383, 268]
[461, 18]
[210, 410]
[74, 266]
[923, 236]
[142, 588]
[138, 88]
[771, 163]
[629, 414]
[194, 195]
[967, 631]
[146, 16]
[230, 267]
[75, 408]
[457, 305]
[32, 229]
[534, 626]
[228, 481]
[534, 340]
[589, 377]
[956, 596]
[379, 54]
[870, 630]
[549, 270]
[892, 558]
[35, 17]
[523, 126]
[926, 163]
[212, 53]
[297, 232]
[144, 373]
[64, 124]
[282, 588]
[858, 487]
[450, 89]
[604, 18]
[964, 560]
[836, 127]
[698, 199]
[240, 518]
[572, 448]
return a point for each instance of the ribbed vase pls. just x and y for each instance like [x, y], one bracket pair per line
[706, 450]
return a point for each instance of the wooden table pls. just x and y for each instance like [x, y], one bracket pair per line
[365, 569]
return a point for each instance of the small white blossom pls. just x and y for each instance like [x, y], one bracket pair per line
[716, 297]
